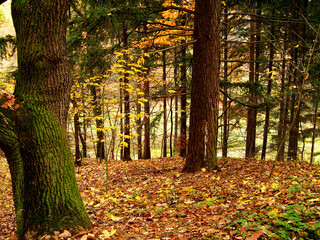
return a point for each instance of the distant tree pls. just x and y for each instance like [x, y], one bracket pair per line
[202, 144]
[33, 123]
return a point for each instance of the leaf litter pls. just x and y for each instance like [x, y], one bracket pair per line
[152, 199]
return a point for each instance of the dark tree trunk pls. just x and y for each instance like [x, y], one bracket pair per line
[127, 139]
[298, 59]
[83, 137]
[164, 78]
[43, 177]
[283, 108]
[147, 152]
[121, 114]
[225, 132]
[183, 99]
[172, 125]
[267, 116]
[100, 154]
[251, 118]
[76, 135]
[176, 101]
[202, 146]
[315, 118]
[139, 128]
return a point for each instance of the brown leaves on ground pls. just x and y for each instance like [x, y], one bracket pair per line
[152, 199]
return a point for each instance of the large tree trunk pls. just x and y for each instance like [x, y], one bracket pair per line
[40, 161]
[202, 146]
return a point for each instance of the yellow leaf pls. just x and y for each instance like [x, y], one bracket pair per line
[172, 91]
[107, 234]
[129, 90]
[274, 212]
[188, 201]
[114, 218]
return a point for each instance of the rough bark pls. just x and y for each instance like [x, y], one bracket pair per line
[202, 146]
[33, 137]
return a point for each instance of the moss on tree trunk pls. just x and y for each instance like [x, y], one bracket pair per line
[33, 136]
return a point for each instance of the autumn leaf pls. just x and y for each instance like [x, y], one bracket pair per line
[107, 234]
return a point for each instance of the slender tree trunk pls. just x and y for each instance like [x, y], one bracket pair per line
[251, 120]
[127, 138]
[121, 116]
[269, 87]
[83, 138]
[176, 101]
[298, 58]
[100, 155]
[283, 107]
[315, 117]
[203, 131]
[147, 151]
[164, 79]
[45, 191]
[139, 128]
[183, 114]
[171, 125]
[76, 136]
[225, 132]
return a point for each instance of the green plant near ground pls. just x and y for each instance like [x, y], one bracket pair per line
[296, 221]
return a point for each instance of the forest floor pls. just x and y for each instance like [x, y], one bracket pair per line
[152, 199]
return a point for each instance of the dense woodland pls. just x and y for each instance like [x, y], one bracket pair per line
[185, 85]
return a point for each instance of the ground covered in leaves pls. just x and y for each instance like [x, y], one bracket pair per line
[152, 199]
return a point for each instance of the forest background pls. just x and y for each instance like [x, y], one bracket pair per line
[132, 79]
